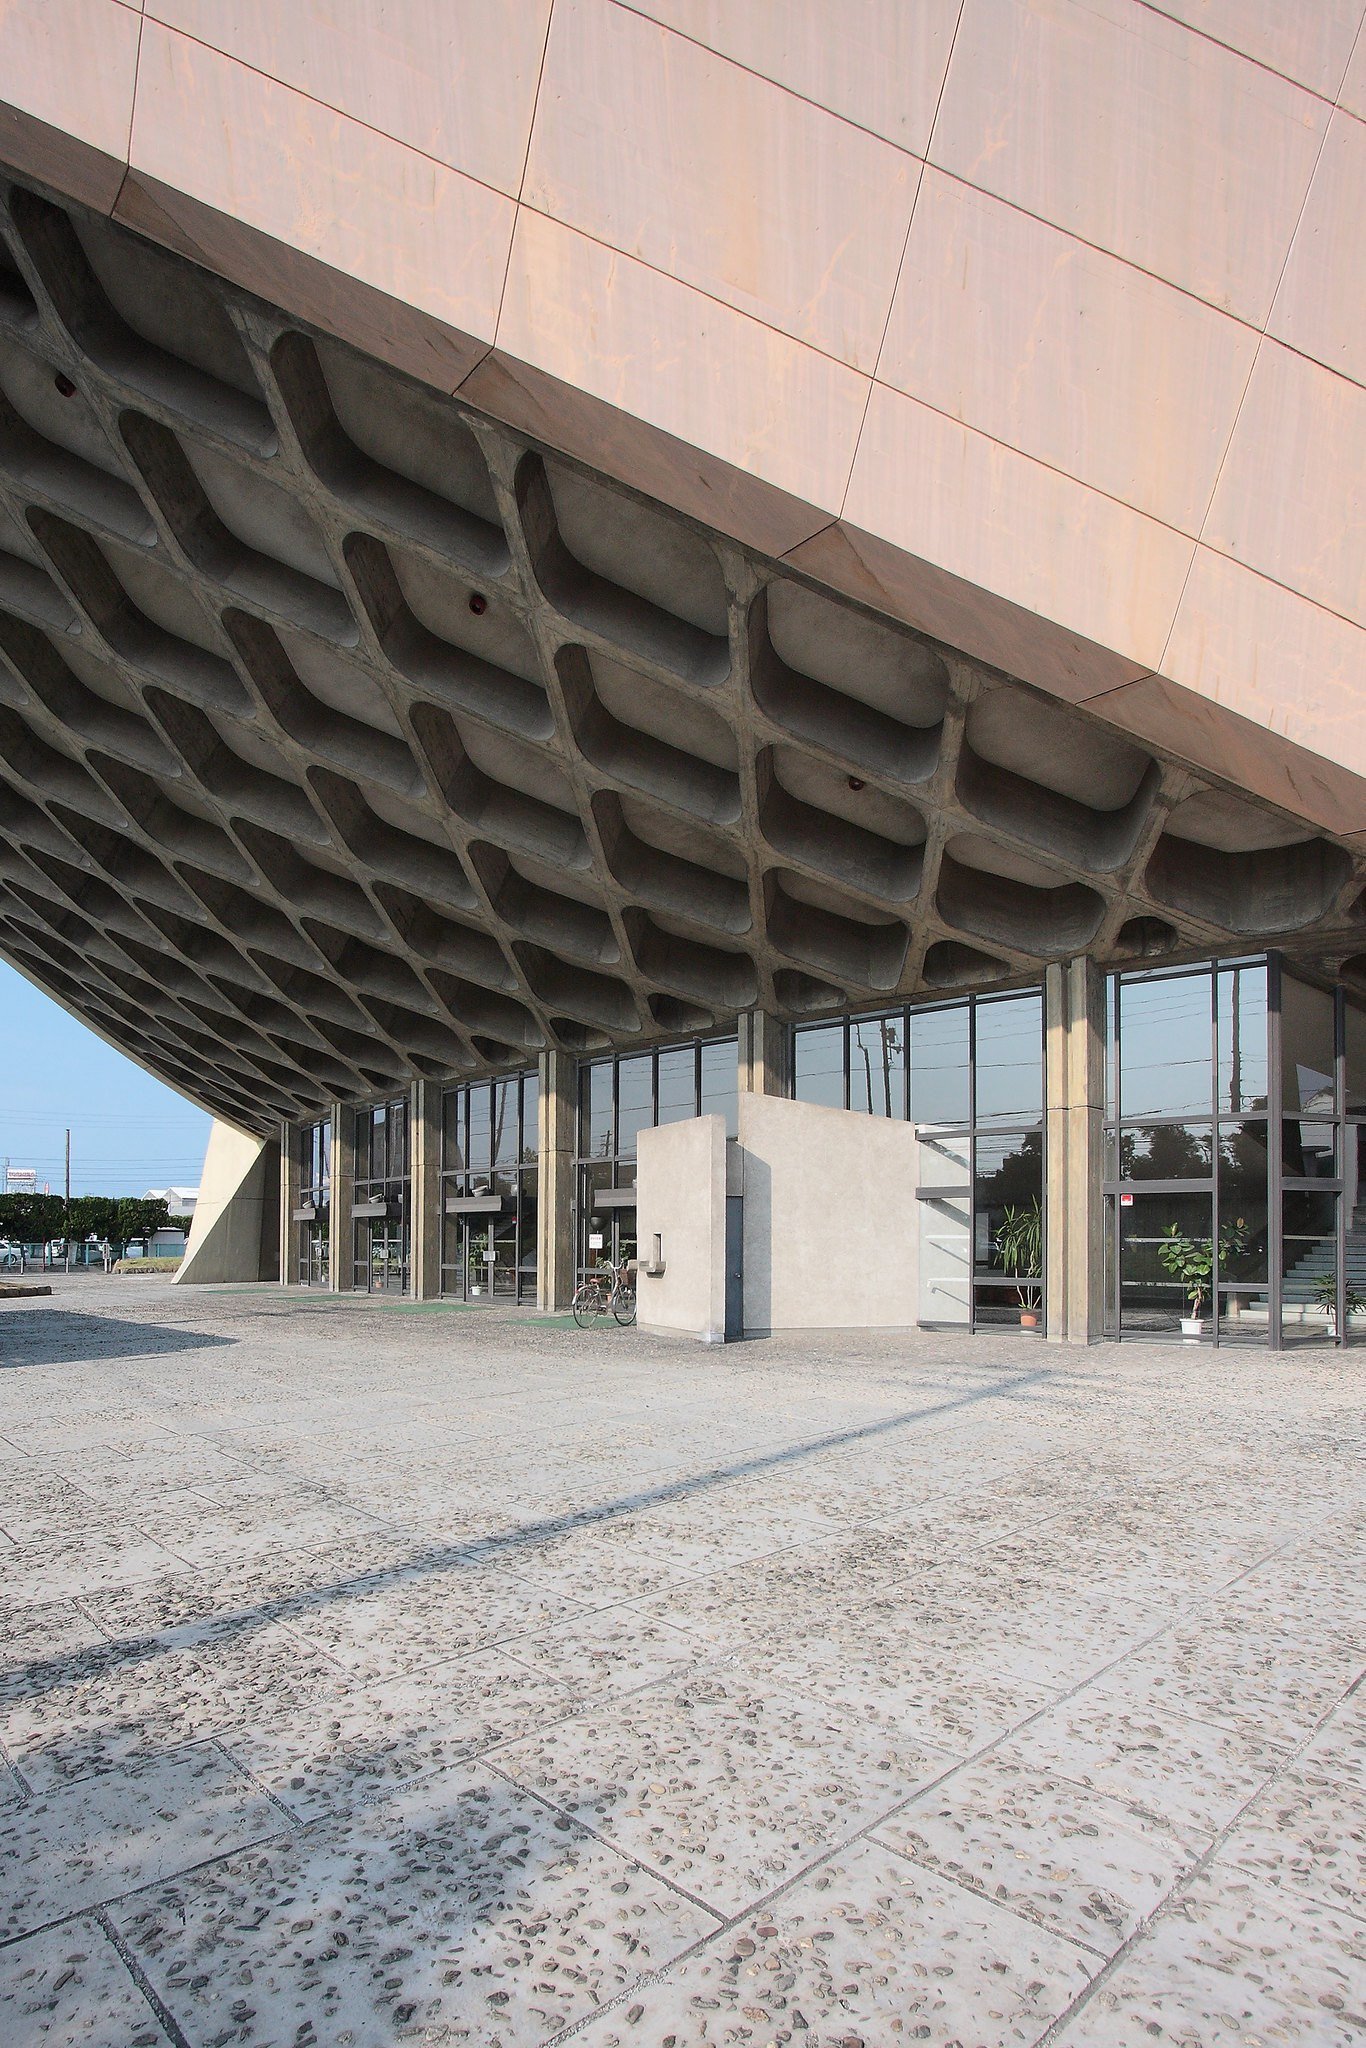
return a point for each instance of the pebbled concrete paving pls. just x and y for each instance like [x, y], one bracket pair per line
[375, 1674]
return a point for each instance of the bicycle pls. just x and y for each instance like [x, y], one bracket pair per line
[607, 1288]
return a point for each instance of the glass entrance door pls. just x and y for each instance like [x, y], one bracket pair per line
[486, 1256]
[945, 1206]
[384, 1250]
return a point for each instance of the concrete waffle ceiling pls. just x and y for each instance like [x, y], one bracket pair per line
[347, 736]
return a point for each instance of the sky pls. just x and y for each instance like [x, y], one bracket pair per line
[129, 1132]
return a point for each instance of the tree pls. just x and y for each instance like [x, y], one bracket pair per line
[31, 1219]
[138, 1217]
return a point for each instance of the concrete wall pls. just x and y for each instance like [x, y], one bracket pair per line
[914, 296]
[681, 1197]
[830, 1218]
[236, 1221]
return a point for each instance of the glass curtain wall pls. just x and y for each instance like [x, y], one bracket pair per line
[970, 1076]
[489, 1189]
[618, 1099]
[1231, 1177]
[312, 1230]
[382, 1206]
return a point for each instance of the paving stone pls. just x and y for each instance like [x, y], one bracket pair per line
[468, 1913]
[1308, 1833]
[727, 1788]
[1074, 1860]
[1234, 1962]
[68, 1986]
[84, 1844]
[866, 1952]
[1189, 1774]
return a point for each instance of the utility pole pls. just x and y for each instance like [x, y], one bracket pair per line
[68, 1199]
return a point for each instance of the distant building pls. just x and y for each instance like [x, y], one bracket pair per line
[180, 1201]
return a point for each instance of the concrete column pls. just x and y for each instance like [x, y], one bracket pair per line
[765, 1054]
[424, 1163]
[289, 1202]
[1074, 1019]
[341, 1234]
[555, 1258]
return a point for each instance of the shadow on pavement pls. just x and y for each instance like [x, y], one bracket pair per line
[59, 1336]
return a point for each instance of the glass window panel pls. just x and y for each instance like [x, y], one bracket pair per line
[1308, 1150]
[453, 1130]
[635, 1101]
[505, 1134]
[1356, 1057]
[677, 1084]
[595, 1110]
[940, 1068]
[1165, 1255]
[1309, 1264]
[1164, 1047]
[531, 1111]
[325, 1150]
[1167, 1152]
[1111, 1048]
[877, 1065]
[398, 1140]
[1007, 1192]
[818, 1059]
[1242, 1039]
[1009, 1054]
[1243, 1225]
[478, 1153]
[1307, 1063]
[721, 1081]
[364, 1133]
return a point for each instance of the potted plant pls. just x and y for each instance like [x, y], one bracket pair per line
[1020, 1244]
[1326, 1295]
[1190, 1261]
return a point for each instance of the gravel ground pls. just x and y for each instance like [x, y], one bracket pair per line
[379, 1673]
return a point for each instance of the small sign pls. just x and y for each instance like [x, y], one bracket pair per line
[595, 1241]
[1126, 1201]
[490, 1258]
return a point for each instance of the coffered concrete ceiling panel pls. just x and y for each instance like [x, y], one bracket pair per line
[1065, 353]
[263, 153]
[701, 169]
[656, 348]
[1135, 134]
[1270, 654]
[1292, 496]
[71, 64]
[883, 68]
[960, 499]
[1307, 40]
[455, 79]
[1319, 307]
[349, 734]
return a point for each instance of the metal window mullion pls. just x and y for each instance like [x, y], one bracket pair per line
[1274, 1149]
[1340, 1156]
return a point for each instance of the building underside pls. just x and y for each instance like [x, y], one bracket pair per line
[452, 816]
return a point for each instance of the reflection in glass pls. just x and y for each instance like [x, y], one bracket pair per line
[1307, 1060]
[677, 1084]
[1167, 1152]
[1164, 1047]
[1242, 1039]
[531, 1134]
[1007, 1194]
[1154, 1297]
[877, 1065]
[1243, 1212]
[1308, 1150]
[1009, 1060]
[1356, 1056]
[720, 1081]
[635, 1101]
[595, 1110]
[1309, 1265]
[940, 1067]
[819, 1066]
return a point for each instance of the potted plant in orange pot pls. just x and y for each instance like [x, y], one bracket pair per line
[1020, 1243]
